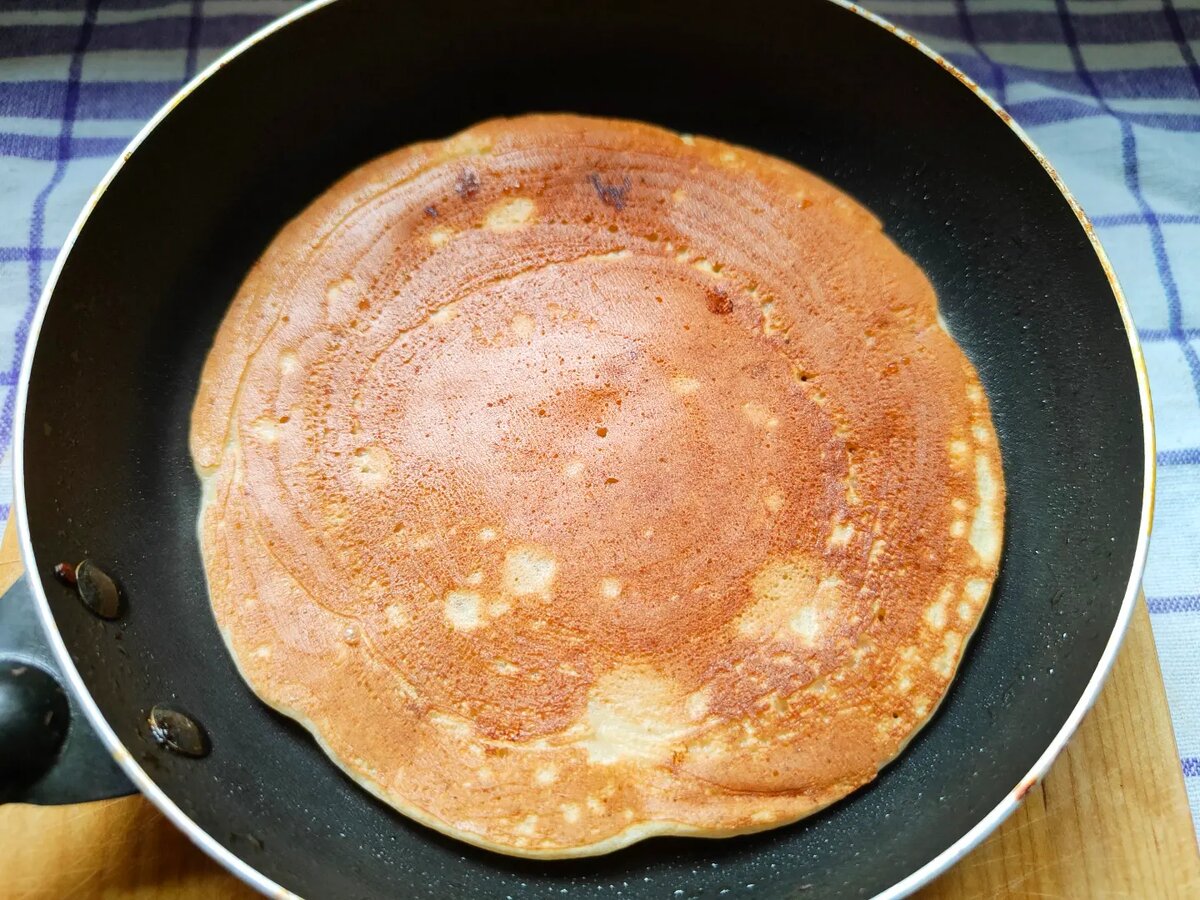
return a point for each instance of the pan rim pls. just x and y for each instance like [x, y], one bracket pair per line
[254, 878]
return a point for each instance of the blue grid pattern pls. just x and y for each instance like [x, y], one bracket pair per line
[1109, 89]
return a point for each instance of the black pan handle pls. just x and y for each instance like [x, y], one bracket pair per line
[48, 751]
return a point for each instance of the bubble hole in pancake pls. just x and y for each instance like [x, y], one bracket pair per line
[574, 481]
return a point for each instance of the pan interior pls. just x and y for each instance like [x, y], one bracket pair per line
[108, 473]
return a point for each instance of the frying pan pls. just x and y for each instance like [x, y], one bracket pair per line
[103, 472]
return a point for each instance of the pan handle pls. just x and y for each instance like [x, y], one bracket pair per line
[48, 751]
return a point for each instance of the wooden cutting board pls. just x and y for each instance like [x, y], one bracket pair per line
[1110, 820]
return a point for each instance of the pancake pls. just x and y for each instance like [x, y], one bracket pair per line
[574, 481]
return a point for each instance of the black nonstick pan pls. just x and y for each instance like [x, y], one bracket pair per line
[103, 470]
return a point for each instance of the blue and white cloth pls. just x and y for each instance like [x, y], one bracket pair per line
[1109, 89]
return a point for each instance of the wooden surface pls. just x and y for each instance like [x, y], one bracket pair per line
[1110, 820]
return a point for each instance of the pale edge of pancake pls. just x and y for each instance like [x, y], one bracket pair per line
[638, 831]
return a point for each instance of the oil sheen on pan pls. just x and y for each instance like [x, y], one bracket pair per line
[575, 481]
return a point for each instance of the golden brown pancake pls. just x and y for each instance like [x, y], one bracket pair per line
[574, 481]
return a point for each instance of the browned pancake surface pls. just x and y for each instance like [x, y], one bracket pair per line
[576, 481]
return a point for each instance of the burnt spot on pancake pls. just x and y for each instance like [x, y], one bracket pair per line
[466, 185]
[718, 301]
[611, 194]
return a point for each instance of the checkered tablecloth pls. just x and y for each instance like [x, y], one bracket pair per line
[1110, 90]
